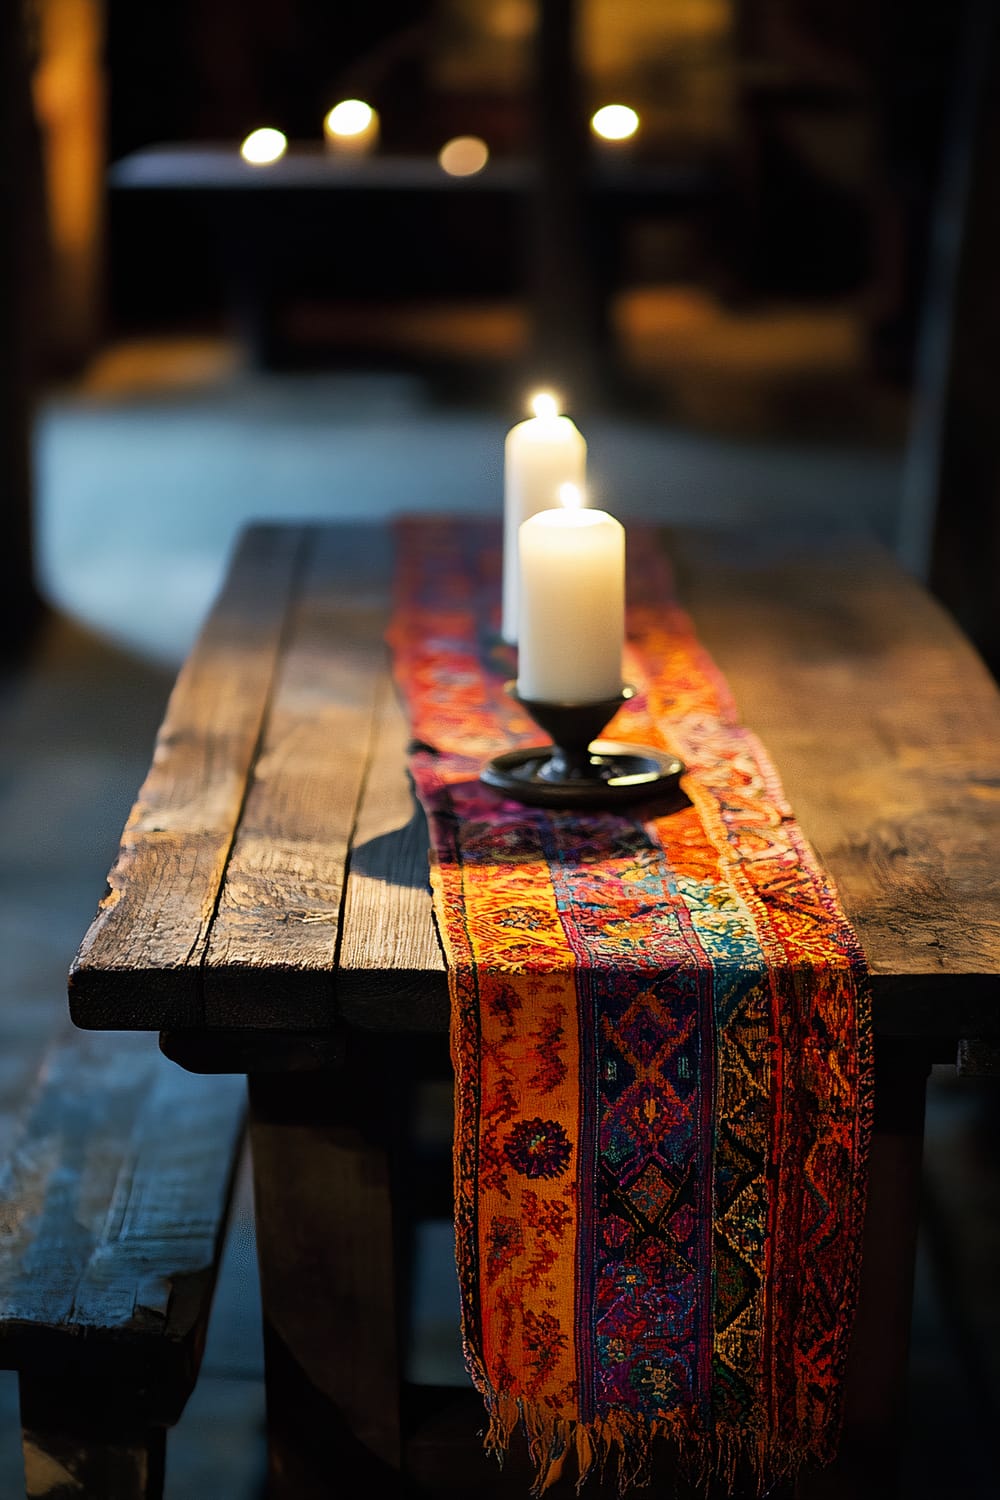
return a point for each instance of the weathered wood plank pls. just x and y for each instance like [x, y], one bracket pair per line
[885, 728]
[111, 1217]
[278, 919]
[388, 924]
[139, 964]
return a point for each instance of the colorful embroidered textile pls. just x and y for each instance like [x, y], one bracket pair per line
[662, 1052]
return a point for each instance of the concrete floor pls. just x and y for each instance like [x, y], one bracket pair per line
[143, 483]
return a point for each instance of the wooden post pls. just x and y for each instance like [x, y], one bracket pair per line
[567, 344]
[21, 257]
[325, 1246]
[950, 514]
[70, 101]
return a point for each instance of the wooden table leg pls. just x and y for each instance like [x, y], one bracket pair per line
[79, 1442]
[869, 1462]
[325, 1247]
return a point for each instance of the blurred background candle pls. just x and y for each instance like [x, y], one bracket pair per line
[540, 454]
[572, 605]
[351, 128]
[464, 156]
[615, 124]
[264, 146]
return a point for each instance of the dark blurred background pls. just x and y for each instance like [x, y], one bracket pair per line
[805, 139]
[777, 303]
[809, 135]
[797, 243]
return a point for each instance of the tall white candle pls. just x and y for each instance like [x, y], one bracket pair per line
[540, 454]
[572, 606]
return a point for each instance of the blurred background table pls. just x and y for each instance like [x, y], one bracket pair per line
[288, 231]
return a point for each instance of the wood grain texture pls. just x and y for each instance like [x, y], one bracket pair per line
[111, 1217]
[278, 917]
[388, 922]
[141, 957]
[885, 728]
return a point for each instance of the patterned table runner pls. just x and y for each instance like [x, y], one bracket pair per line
[662, 1046]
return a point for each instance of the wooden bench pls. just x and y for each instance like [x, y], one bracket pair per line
[115, 1178]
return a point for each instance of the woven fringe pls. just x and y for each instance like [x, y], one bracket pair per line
[623, 1442]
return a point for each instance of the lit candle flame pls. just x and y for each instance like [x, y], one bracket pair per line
[544, 405]
[571, 496]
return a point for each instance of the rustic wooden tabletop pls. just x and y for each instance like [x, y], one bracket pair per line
[273, 873]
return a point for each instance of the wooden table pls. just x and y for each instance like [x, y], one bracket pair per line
[269, 914]
[315, 226]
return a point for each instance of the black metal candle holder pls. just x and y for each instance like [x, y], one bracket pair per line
[577, 769]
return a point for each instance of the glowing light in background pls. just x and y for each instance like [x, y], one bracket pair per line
[263, 146]
[349, 117]
[513, 20]
[464, 156]
[351, 128]
[571, 496]
[615, 122]
[544, 404]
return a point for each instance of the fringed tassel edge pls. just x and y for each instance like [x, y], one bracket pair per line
[623, 1441]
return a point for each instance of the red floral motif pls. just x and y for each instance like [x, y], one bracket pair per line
[551, 1069]
[538, 1148]
[503, 1002]
[551, 1217]
[550, 1221]
[504, 1245]
[543, 1343]
[499, 1107]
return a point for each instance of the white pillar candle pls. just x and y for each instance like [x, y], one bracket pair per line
[572, 606]
[540, 454]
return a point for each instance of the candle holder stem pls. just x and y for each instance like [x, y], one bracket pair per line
[577, 769]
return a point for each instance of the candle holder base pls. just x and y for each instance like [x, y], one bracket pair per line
[578, 770]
